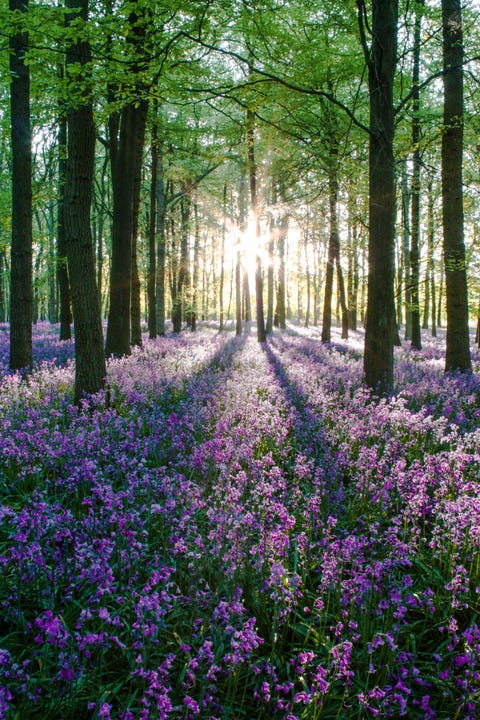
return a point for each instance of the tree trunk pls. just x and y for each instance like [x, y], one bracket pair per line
[126, 139]
[342, 298]
[477, 334]
[135, 305]
[178, 302]
[196, 267]
[89, 354]
[353, 269]
[252, 175]
[458, 350]
[3, 284]
[429, 279]
[238, 295]
[440, 300]
[36, 282]
[306, 322]
[52, 262]
[152, 254]
[406, 253]
[280, 304]
[416, 187]
[222, 256]
[100, 202]
[270, 278]
[124, 172]
[62, 270]
[21, 280]
[333, 244]
[380, 321]
[161, 250]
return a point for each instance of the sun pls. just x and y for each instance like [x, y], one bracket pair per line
[249, 245]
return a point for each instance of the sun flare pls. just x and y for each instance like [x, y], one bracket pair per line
[248, 244]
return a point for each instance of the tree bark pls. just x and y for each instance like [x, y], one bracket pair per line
[222, 258]
[252, 176]
[405, 278]
[333, 243]
[280, 313]
[380, 321]
[270, 278]
[89, 353]
[457, 350]
[353, 267]
[21, 273]
[416, 341]
[238, 295]
[430, 299]
[3, 293]
[161, 250]
[309, 282]
[124, 171]
[196, 267]
[126, 139]
[135, 304]
[181, 280]
[152, 249]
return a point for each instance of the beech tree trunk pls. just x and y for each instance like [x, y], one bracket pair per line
[270, 277]
[89, 352]
[196, 268]
[161, 250]
[126, 139]
[124, 171]
[252, 175]
[21, 273]
[180, 280]
[353, 267]
[222, 258]
[280, 312]
[3, 293]
[405, 278]
[152, 249]
[342, 298]
[135, 306]
[333, 243]
[458, 349]
[238, 295]
[416, 341]
[380, 321]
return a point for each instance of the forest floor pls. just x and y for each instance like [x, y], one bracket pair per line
[241, 533]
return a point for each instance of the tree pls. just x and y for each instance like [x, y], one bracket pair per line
[21, 287]
[458, 350]
[416, 187]
[252, 178]
[380, 321]
[152, 227]
[90, 368]
[62, 270]
[126, 139]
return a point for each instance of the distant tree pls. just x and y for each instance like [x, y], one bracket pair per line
[252, 179]
[180, 280]
[21, 274]
[90, 368]
[458, 349]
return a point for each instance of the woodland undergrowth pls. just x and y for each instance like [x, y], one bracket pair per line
[241, 533]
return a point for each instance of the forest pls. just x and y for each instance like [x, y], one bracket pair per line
[239, 359]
